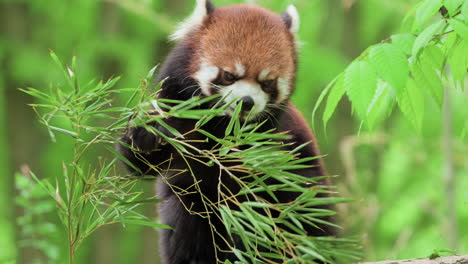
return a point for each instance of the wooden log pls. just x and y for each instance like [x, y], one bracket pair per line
[462, 259]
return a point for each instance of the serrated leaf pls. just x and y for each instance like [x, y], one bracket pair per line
[460, 28]
[382, 104]
[322, 97]
[453, 5]
[426, 36]
[464, 11]
[391, 65]
[360, 82]
[458, 61]
[427, 9]
[427, 79]
[337, 92]
[411, 103]
[404, 41]
[434, 56]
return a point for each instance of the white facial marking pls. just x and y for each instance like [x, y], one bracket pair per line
[295, 21]
[243, 88]
[191, 23]
[283, 89]
[205, 75]
[263, 75]
[240, 69]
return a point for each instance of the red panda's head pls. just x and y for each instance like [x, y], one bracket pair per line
[242, 52]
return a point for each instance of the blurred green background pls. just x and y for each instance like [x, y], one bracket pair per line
[395, 174]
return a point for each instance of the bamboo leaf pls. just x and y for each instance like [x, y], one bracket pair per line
[145, 223]
[360, 82]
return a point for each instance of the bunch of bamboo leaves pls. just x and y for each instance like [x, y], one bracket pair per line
[92, 196]
[90, 192]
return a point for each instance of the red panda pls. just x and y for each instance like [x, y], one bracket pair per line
[244, 53]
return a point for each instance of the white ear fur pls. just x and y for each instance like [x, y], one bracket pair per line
[193, 22]
[295, 20]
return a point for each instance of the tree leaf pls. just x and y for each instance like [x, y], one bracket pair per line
[382, 104]
[426, 10]
[404, 41]
[322, 97]
[412, 104]
[360, 82]
[460, 28]
[426, 77]
[453, 6]
[337, 92]
[391, 65]
[464, 11]
[426, 36]
[458, 61]
[434, 56]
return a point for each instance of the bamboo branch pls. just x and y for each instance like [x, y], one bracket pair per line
[463, 259]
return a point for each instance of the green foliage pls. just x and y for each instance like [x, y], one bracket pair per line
[89, 196]
[35, 223]
[394, 175]
[406, 63]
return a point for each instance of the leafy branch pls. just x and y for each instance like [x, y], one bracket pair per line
[406, 67]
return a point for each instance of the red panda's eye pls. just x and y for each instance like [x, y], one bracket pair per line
[229, 77]
[268, 86]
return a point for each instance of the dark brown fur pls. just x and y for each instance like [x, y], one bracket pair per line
[191, 241]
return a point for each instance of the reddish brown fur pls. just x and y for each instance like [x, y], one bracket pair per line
[266, 42]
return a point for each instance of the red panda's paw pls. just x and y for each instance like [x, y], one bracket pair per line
[145, 141]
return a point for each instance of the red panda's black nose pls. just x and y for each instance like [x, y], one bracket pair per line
[247, 103]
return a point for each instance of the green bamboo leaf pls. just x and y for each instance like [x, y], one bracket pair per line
[412, 104]
[63, 131]
[360, 82]
[453, 6]
[404, 41]
[334, 98]
[62, 69]
[426, 10]
[145, 223]
[391, 65]
[460, 28]
[426, 36]
[234, 119]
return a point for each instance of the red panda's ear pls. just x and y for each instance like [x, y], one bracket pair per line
[291, 19]
[204, 8]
